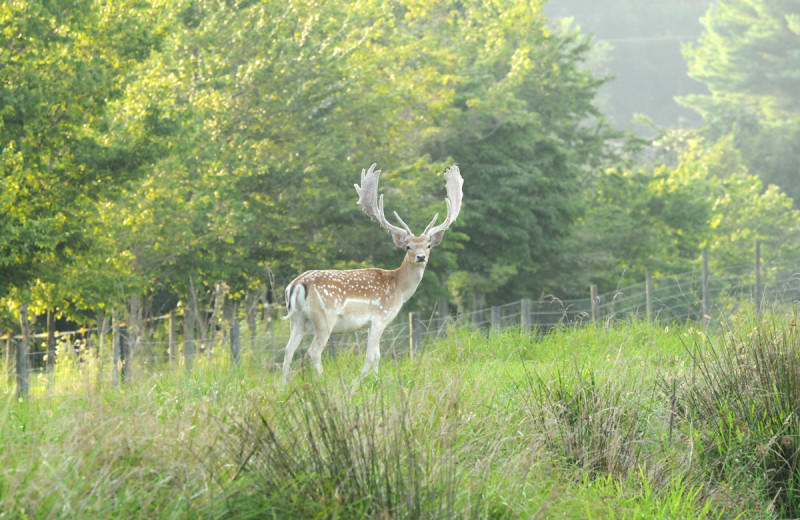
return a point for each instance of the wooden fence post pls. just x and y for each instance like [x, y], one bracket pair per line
[648, 294]
[595, 303]
[230, 309]
[706, 303]
[414, 333]
[125, 348]
[188, 338]
[9, 343]
[23, 347]
[102, 332]
[50, 342]
[495, 317]
[115, 350]
[236, 346]
[525, 315]
[757, 287]
[131, 338]
[172, 337]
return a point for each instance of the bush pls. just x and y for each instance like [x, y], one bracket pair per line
[745, 396]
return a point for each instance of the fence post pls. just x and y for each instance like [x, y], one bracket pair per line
[236, 346]
[525, 315]
[188, 338]
[102, 333]
[23, 348]
[705, 306]
[173, 337]
[496, 320]
[595, 306]
[757, 288]
[648, 294]
[414, 333]
[126, 347]
[115, 343]
[9, 343]
[51, 341]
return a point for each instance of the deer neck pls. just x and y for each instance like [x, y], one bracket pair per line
[408, 277]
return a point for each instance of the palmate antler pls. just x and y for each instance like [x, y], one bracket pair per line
[372, 204]
[453, 200]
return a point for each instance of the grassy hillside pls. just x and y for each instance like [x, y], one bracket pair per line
[635, 421]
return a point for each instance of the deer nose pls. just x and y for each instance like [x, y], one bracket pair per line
[420, 258]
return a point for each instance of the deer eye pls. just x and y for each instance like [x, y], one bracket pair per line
[429, 246]
[408, 248]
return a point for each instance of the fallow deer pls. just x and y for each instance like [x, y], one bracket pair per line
[335, 301]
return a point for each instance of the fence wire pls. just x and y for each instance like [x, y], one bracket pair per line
[85, 363]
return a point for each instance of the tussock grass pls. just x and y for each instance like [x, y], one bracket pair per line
[335, 455]
[744, 393]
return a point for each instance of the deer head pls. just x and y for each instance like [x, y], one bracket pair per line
[416, 247]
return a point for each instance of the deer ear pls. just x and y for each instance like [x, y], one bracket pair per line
[400, 241]
[436, 238]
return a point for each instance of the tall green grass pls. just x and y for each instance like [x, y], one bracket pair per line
[575, 423]
[744, 397]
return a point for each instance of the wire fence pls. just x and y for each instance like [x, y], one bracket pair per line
[86, 361]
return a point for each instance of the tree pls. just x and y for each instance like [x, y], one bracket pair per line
[64, 62]
[705, 198]
[747, 57]
[258, 118]
[523, 124]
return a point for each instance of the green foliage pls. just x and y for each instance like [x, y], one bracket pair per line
[747, 57]
[703, 197]
[65, 62]
[748, 49]
[244, 147]
[525, 129]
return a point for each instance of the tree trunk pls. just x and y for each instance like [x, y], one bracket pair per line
[212, 325]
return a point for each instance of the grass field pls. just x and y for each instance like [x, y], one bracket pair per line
[633, 421]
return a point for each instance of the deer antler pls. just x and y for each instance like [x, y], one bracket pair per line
[373, 205]
[453, 200]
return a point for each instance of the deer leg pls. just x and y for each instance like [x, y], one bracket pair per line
[373, 349]
[295, 337]
[322, 331]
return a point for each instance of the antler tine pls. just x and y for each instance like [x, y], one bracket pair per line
[408, 229]
[454, 195]
[372, 204]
